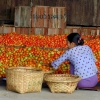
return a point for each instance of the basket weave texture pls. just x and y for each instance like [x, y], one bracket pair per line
[46, 73]
[62, 82]
[22, 80]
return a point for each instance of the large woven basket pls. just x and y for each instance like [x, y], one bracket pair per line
[62, 82]
[22, 80]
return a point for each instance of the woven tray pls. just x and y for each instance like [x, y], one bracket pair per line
[22, 79]
[62, 82]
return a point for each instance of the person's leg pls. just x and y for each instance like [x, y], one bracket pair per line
[88, 82]
[71, 69]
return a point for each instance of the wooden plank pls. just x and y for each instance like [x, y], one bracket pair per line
[28, 17]
[52, 31]
[98, 31]
[89, 31]
[57, 17]
[1, 30]
[73, 12]
[81, 12]
[98, 13]
[50, 2]
[7, 29]
[39, 31]
[87, 12]
[8, 8]
[38, 2]
[61, 3]
[17, 30]
[23, 30]
[17, 17]
[12, 10]
[25, 2]
[42, 2]
[95, 12]
[77, 12]
[40, 16]
[73, 29]
[22, 2]
[3, 12]
[22, 16]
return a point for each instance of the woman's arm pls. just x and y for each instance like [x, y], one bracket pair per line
[60, 60]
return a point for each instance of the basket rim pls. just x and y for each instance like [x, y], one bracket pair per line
[23, 68]
[78, 79]
[63, 81]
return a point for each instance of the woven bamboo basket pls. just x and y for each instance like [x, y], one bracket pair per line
[46, 73]
[22, 80]
[62, 82]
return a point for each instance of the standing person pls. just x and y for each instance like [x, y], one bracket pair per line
[82, 61]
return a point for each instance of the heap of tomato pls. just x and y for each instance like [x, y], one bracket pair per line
[37, 50]
[30, 57]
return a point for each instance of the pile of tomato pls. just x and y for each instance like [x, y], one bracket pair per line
[30, 57]
[37, 50]
[52, 41]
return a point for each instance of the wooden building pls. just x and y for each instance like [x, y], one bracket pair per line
[79, 12]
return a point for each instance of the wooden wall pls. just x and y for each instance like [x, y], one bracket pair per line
[79, 12]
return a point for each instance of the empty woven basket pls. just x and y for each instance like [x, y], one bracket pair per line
[62, 82]
[22, 80]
